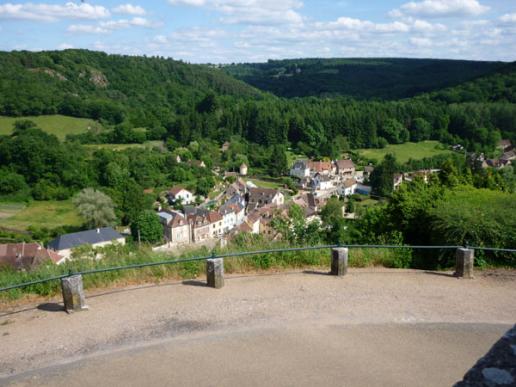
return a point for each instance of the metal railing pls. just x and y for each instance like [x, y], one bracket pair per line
[245, 254]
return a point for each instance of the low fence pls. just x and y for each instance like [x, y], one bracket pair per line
[74, 298]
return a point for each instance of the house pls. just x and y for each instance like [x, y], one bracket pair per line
[259, 197]
[26, 256]
[243, 169]
[300, 170]
[179, 194]
[397, 180]
[232, 214]
[216, 224]
[345, 167]
[100, 237]
[321, 167]
[237, 188]
[508, 157]
[251, 224]
[348, 188]
[200, 226]
[321, 182]
[176, 228]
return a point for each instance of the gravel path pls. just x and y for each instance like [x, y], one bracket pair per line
[284, 308]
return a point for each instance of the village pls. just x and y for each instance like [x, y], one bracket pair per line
[241, 207]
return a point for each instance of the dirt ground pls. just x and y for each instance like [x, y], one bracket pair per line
[416, 328]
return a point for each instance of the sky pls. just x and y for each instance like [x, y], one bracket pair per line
[226, 31]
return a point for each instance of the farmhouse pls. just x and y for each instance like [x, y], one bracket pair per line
[179, 194]
[99, 237]
[26, 256]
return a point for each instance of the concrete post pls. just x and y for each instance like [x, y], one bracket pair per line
[215, 273]
[464, 260]
[339, 261]
[73, 294]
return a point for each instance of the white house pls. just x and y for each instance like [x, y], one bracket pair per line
[181, 194]
[100, 237]
[300, 170]
[233, 215]
[348, 187]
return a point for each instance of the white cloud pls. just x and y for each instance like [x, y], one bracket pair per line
[65, 46]
[509, 18]
[441, 8]
[52, 12]
[420, 42]
[87, 29]
[253, 12]
[160, 39]
[129, 9]
[111, 25]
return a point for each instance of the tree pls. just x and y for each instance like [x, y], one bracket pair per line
[147, 227]
[382, 178]
[278, 163]
[420, 130]
[95, 207]
[334, 222]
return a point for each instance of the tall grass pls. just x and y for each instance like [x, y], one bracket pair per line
[130, 255]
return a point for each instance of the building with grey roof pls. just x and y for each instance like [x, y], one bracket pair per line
[99, 237]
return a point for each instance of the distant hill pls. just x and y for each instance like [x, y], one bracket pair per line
[379, 78]
[499, 86]
[96, 85]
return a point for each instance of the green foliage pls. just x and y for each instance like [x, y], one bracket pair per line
[95, 207]
[147, 228]
[382, 178]
[334, 223]
[360, 78]
[476, 217]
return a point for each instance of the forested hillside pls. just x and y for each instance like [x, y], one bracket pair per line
[379, 78]
[91, 84]
[174, 101]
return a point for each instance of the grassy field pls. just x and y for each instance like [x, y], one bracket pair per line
[404, 152]
[49, 214]
[54, 124]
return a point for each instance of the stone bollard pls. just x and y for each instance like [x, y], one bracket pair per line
[215, 273]
[339, 261]
[73, 294]
[464, 260]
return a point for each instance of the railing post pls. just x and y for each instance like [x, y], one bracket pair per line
[215, 273]
[339, 261]
[464, 261]
[73, 294]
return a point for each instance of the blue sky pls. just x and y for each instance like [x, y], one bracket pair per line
[222, 31]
